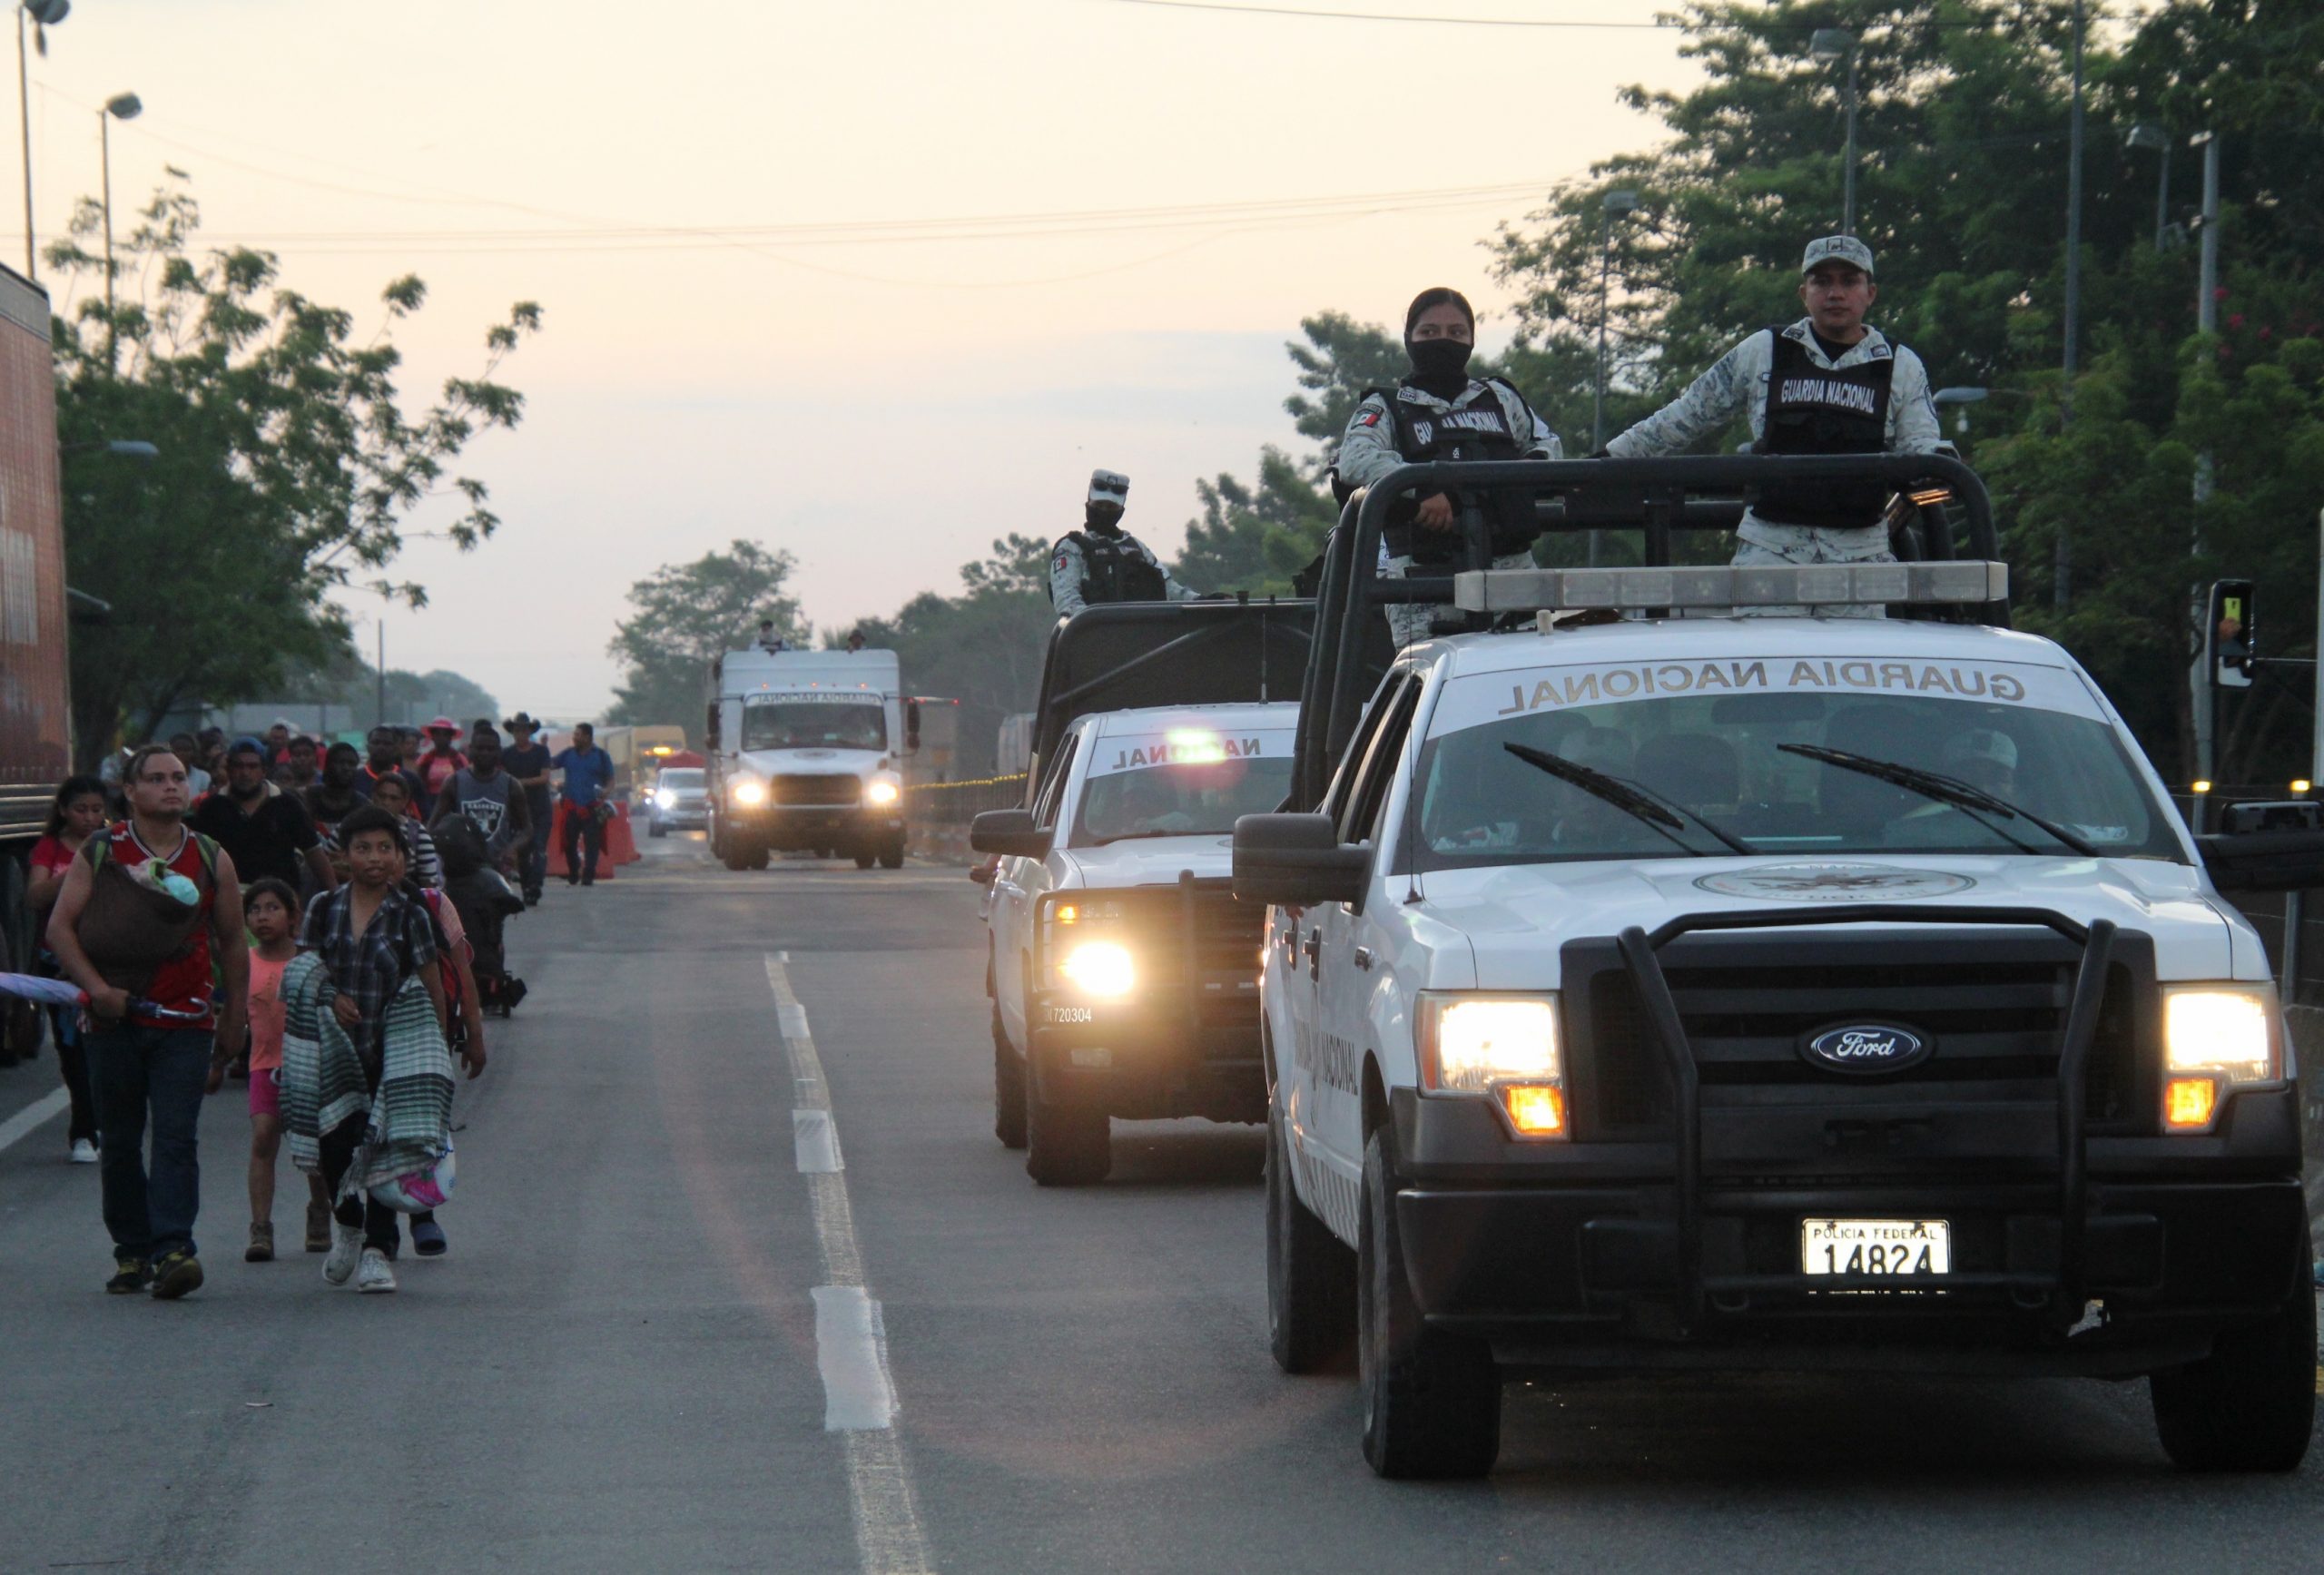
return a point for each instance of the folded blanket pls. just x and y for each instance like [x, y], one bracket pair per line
[323, 1085]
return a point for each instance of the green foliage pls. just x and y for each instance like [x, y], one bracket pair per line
[1961, 192]
[1255, 538]
[983, 647]
[687, 615]
[287, 464]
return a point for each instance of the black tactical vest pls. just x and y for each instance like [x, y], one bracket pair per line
[1113, 569]
[1814, 410]
[1477, 431]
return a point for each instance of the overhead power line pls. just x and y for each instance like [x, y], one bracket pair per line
[1382, 16]
[1668, 23]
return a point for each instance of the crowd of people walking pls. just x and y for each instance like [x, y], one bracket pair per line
[320, 923]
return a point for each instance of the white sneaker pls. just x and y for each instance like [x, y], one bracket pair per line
[83, 1151]
[346, 1246]
[377, 1274]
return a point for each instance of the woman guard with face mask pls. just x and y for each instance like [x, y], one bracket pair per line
[1440, 412]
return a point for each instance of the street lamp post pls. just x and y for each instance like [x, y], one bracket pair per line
[2147, 134]
[1959, 400]
[124, 106]
[43, 15]
[1615, 202]
[1828, 45]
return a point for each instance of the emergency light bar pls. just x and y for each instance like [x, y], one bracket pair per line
[1972, 580]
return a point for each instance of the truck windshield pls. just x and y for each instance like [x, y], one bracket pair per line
[680, 776]
[1171, 787]
[1737, 747]
[813, 724]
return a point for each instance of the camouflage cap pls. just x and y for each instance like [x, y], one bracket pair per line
[1837, 249]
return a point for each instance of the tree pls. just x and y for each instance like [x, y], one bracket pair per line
[1961, 193]
[689, 615]
[983, 647]
[1255, 538]
[287, 465]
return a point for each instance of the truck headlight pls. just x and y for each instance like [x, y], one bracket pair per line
[666, 799]
[2214, 1037]
[1504, 1046]
[750, 794]
[882, 792]
[1100, 968]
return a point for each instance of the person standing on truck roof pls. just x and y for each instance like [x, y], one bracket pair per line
[769, 640]
[1440, 412]
[1105, 563]
[1827, 384]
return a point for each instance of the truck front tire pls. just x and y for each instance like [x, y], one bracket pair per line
[1311, 1275]
[2250, 1405]
[1431, 1401]
[1008, 1088]
[1066, 1145]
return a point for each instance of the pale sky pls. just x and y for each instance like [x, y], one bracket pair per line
[757, 323]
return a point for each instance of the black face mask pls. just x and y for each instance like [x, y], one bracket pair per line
[1105, 518]
[1440, 366]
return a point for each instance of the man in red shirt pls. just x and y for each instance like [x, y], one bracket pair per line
[162, 1051]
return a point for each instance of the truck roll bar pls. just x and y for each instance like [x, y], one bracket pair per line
[1657, 497]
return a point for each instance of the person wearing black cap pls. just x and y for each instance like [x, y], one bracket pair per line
[1827, 384]
[267, 829]
[1105, 563]
[1440, 412]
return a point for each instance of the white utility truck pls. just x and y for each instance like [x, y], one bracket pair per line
[806, 753]
[1651, 986]
[1121, 963]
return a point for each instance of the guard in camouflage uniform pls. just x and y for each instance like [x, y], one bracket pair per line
[1827, 384]
[1440, 412]
[1105, 563]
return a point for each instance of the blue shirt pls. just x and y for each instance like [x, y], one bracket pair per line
[586, 772]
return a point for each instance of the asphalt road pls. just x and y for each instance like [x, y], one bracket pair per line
[651, 1312]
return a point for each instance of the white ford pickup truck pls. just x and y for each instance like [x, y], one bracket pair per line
[1723, 991]
[1123, 973]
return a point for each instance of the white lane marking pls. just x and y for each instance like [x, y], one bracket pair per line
[851, 1340]
[815, 1142]
[851, 1353]
[31, 1117]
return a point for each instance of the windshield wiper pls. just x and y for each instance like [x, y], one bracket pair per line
[1138, 836]
[1622, 795]
[1946, 790]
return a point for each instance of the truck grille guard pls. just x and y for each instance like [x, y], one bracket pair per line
[1640, 952]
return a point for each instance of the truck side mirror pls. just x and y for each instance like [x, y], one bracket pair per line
[1009, 831]
[710, 726]
[2230, 641]
[911, 726]
[1297, 861]
[2266, 847]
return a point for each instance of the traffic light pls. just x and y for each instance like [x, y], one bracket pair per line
[2231, 640]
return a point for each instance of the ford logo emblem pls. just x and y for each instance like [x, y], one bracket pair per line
[1867, 1048]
